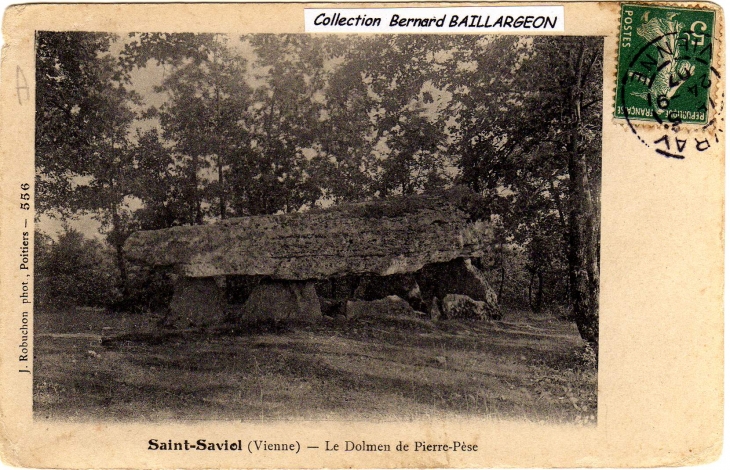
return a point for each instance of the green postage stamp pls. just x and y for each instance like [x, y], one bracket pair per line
[665, 67]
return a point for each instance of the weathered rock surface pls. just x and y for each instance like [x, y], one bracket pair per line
[456, 277]
[462, 306]
[384, 237]
[196, 303]
[391, 305]
[281, 300]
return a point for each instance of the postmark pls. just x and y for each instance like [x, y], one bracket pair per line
[666, 79]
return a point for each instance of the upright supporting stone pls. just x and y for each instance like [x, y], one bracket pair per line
[282, 300]
[457, 277]
[197, 302]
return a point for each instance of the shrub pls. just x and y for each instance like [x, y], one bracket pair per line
[74, 270]
[148, 290]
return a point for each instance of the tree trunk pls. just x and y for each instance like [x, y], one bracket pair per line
[582, 256]
[119, 248]
[222, 189]
[219, 144]
[117, 239]
[566, 294]
[197, 211]
[582, 219]
[123, 275]
[538, 300]
[501, 283]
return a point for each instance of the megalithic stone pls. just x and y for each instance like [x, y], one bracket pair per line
[383, 237]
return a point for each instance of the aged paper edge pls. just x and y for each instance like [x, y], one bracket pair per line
[709, 454]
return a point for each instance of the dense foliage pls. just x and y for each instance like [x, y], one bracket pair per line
[74, 270]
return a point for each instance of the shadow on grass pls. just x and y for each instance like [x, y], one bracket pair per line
[389, 369]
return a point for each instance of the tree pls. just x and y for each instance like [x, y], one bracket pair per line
[251, 140]
[528, 132]
[345, 163]
[192, 119]
[284, 122]
[386, 134]
[166, 49]
[157, 184]
[573, 92]
[70, 81]
[583, 217]
[204, 118]
[83, 118]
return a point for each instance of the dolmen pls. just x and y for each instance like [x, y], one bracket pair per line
[400, 254]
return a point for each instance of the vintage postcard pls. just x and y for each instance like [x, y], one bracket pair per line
[362, 235]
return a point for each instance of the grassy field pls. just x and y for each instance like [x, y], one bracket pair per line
[524, 367]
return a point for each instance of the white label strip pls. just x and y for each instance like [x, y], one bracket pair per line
[524, 19]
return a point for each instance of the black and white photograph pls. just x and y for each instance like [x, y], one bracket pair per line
[288, 227]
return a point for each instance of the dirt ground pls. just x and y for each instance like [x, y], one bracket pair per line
[525, 367]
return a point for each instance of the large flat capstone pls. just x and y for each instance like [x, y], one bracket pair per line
[383, 237]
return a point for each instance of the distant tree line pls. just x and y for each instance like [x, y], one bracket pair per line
[264, 124]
